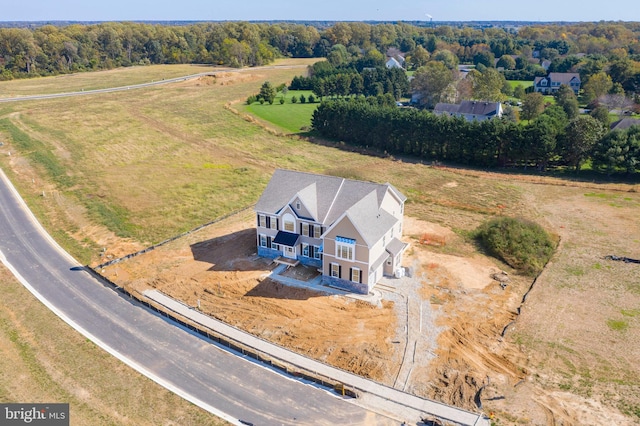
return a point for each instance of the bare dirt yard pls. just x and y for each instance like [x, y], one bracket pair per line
[451, 328]
[435, 334]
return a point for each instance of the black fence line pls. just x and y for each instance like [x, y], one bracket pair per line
[219, 338]
[153, 247]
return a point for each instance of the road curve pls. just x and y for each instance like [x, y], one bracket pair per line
[139, 86]
[224, 384]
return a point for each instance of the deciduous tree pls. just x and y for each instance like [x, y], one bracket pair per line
[432, 81]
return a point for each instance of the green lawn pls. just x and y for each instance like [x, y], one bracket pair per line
[523, 83]
[291, 117]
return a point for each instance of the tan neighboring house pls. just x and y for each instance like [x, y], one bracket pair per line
[350, 230]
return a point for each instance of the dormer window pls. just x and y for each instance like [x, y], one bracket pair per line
[297, 205]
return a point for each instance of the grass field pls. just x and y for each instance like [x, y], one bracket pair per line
[126, 169]
[97, 80]
[291, 117]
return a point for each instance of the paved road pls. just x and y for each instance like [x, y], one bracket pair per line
[197, 370]
[140, 86]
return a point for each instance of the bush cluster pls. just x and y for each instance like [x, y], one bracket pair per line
[521, 244]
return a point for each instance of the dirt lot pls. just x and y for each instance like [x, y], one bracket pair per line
[437, 334]
[218, 266]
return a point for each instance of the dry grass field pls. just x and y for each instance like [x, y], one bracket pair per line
[123, 170]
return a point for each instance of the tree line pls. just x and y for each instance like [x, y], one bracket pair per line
[551, 139]
[588, 48]
[367, 78]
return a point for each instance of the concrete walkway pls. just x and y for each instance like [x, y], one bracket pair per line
[403, 406]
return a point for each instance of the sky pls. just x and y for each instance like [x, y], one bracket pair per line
[322, 10]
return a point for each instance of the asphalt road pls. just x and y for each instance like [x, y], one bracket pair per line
[222, 383]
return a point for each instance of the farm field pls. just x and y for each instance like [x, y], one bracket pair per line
[129, 169]
[98, 79]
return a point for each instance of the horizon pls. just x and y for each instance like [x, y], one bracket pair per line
[545, 11]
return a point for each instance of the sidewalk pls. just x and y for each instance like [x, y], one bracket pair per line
[401, 405]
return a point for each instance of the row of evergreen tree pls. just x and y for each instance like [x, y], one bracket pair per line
[549, 140]
[346, 80]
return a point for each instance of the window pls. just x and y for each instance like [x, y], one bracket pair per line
[289, 226]
[345, 248]
[262, 220]
[344, 252]
[335, 270]
[297, 205]
[263, 240]
[355, 275]
[305, 229]
[274, 223]
[305, 249]
[317, 231]
[317, 252]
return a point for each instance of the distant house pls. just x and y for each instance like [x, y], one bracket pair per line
[471, 110]
[552, 82]
[348, 229]
[393, 63]
[625, 123]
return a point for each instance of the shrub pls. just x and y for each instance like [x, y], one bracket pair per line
[281, 101]
[302, 99]
[521, 244]
[251, 99]
[312, 98]
[294, 99]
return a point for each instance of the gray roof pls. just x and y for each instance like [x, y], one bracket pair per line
[371, 221]
[563, 77]
[396, 246]
[478, 107]
[625, 123]
[443, 107]
[329, 197]
[468, 107]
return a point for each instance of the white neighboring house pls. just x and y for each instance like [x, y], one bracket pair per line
[393, 63]
[471, 110]
[552, 82]
[348, 229]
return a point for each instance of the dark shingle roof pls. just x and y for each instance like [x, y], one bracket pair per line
[468, 107]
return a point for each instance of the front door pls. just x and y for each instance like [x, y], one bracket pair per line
[289, 252]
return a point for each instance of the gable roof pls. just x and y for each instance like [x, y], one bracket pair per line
[478, 108]
[469, 107]
[625, 123]
[331, 197]
[563, 77]
[444, 107]
[393, 63]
